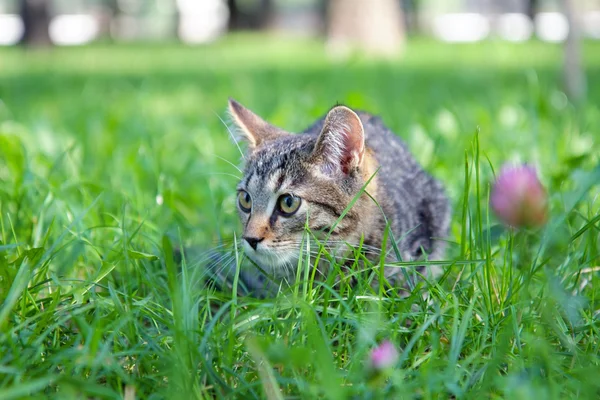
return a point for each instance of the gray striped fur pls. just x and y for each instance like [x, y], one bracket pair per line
[326, 166]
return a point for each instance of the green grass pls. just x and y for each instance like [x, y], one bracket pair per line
[107, 152]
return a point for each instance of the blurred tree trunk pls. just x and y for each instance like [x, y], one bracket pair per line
[573, 72]
[257, 18]
[410, 9]
[374, 26]
[36, 21]
[265, 12]
[531, 10]
[176, 21]
[323, 8]
[234, 15]
[108, 14]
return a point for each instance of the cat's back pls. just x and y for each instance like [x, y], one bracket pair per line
[412, 199]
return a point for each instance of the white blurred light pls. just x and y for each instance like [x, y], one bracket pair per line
[461, 27]
[202, 21]
[73, 29]
[11, 29]
[551, 26]
[591, 24]
[515, 27]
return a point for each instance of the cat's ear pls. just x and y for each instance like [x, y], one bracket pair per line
[253, 128]
[340, 147]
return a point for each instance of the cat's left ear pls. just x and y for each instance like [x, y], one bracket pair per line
[340, 147]
[253, 128]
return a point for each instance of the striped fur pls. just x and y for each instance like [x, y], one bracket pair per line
[326, 166]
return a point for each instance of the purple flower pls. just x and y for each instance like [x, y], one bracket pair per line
[384, 356]
[518, 197]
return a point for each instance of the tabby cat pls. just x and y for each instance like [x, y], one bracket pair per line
[294, 180]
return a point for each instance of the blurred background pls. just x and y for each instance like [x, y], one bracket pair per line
[73, 22]
[378, 27]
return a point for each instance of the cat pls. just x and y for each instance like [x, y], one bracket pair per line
[291, 180]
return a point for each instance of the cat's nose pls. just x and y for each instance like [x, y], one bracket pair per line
[253, 242]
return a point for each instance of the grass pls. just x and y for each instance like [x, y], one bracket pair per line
[110, 156]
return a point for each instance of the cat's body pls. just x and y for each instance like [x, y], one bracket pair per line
[290, 179]
[412, 200]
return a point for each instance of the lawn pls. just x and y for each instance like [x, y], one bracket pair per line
[110, 156]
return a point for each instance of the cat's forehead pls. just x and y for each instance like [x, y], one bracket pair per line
[285, 150]
[275, 163]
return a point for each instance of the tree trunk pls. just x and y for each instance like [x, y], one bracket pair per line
[234, 15]
[574, 76]
[36, 21]
[373, 26]
[265, 13]
[323, 9]
[257, 18]
[532, 6]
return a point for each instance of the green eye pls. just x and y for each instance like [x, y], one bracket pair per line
[245, 201]
[289, 204]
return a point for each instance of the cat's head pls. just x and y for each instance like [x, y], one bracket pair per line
[291, 180]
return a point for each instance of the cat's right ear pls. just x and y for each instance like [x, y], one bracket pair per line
[340, 147]
[253, 128]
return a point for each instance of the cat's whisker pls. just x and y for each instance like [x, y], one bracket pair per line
[286, 268]
[229, 243]
[218, 246]
[366, 249]
[213, 260]
[284, 262]
[215, 266]
[219, 173]
[333, 250]
[340, 242]
[224, 264]
[337, 258]
[229, 162]
[198, 260]
[328, 248]
[223, 246]
[231, 135]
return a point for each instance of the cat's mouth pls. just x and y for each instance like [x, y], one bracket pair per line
[278, 262]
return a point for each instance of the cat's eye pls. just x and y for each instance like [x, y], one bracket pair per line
[289, 204]
[245, 201]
